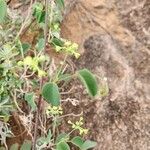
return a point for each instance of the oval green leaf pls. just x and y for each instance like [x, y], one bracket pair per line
[89, 81]
[26, 145]
[78, 141]
[88, 145]
[63, 137]
[3, 10]
[62, 146]
[51, 94]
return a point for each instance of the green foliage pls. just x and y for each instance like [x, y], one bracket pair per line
[29, 97]
[7, 52]
[88, 145]
[66, 46]
[77, 141]
[83, 145]
[89, 81]
[60, 4]
[33, 64]
[63, 137]
[62, 146]
[40, 45]
[26, 145]
[38, 12]
[3, 10]
[14, 147]
[43, 141]
[26, 47]
[28, 74]
[51, 94]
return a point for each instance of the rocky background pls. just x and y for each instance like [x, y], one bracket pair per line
[114, 40]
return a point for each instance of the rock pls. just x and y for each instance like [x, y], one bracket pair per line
[111, 47]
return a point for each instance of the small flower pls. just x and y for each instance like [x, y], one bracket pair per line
[20, 63]
[28, 60]
[41, 73]
[54, 110]
[77, 55]
[77, 126]
[69, 48]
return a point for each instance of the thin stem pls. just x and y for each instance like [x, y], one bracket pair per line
[14, 95]
[26, 19]
[41, 81]
[54, 125]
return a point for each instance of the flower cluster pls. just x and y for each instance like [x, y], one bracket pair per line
[77, 126]
[69, 48]
[33, 64]
[54, 110]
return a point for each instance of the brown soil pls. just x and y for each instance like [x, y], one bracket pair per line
[114, 39]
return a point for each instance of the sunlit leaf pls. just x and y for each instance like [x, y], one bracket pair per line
[51, 94]
[57, 42]
[63, 137]
[26, 145]
[62, 146]
[38, 12]
[78, 141]
[88, 145]
[89, 81]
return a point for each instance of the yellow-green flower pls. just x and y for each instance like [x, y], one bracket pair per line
[33, 64]
[54, 110]
[77, 126]
[41, 73]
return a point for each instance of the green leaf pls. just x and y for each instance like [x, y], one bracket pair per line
[29, 97]
[42, 141]
[38, 12]
[78, 141]
[3, 10]
[26, 47]
[14, 146]
[60, 4]
[63, 137]
[26, 145]
[89, 81]
[62, 146]
[49, 135]
[51, 94]
[88, 144]
[57, 42]
[40, 45]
